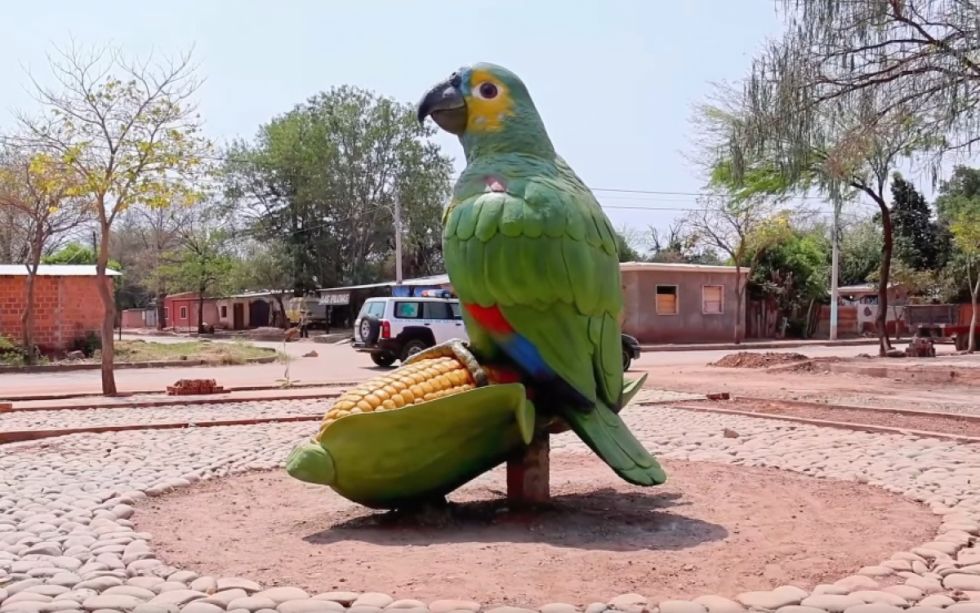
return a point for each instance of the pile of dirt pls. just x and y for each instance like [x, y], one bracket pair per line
[748, 359]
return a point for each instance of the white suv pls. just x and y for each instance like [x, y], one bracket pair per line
[393, 328]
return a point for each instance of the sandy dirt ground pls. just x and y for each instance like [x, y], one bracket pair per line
[712, 529]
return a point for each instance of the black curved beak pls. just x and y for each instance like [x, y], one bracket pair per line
[446, 105]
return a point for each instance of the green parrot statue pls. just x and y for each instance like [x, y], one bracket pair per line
[534, 261]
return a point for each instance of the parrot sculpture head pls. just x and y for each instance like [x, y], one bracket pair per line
[489, 108]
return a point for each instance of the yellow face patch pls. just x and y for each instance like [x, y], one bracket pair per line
[487, 114]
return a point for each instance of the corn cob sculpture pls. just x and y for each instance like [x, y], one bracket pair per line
[421, 431]
[417, 433]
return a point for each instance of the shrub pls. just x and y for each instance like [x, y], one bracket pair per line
[88, 344]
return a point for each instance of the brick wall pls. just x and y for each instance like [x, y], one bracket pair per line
[65, 308]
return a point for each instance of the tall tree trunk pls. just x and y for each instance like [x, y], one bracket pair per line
[109, 304]
[974, 293]
[281, 320]
[200, 309]
[161, 308]
[27, 318]
[884, 272]
[739, 294]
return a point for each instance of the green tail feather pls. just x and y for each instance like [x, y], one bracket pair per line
[607, 435]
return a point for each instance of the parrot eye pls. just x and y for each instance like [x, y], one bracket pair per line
[487, 90]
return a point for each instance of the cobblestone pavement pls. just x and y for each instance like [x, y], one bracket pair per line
[202, 413]
[67, 543]
[114, 416]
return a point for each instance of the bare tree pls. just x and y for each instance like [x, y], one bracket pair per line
[781, 136]
[922, 52]
[732, 226]
[130, 133]
[39, 197]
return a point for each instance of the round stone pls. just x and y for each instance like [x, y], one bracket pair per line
[873, 608]
[958, 581]
[208, 585]
[719, 604]
[880, 597]
[225, 597]
[681, 606]
[938, 601]
[279, 595]
[344, 598]
[906, 592]
[373, 599]
[629, 603]
[201, 607]
[446, 606]
[116, 602]
[783, 596]
[832, 602]
[252, 603]
[177, 597]
[230, 583]
[401, 605]
[131, 590]
[309, 605]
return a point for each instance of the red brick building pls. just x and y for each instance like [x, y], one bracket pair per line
[180, 312]
[66, 303]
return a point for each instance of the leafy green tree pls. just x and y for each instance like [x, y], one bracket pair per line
[965, 227]
[679, 246]
[918, 238]
[324, 177]
[860, 251]
[203, 265]
[627, 253]
[266, 268]
[793, 272]
[129, 132]
[41, 194]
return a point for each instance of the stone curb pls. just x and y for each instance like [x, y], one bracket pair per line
[125, 365]
[851, 407]
[239, 388]
[835, 424]
[142, 404]
[19, 436]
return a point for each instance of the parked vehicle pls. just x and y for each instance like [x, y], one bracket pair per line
[631, 351]
[393, 328]
[938, 321]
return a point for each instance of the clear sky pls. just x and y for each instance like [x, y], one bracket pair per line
[614, 80]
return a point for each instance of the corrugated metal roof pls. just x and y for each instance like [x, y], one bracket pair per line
[669, 267]
[54, 270]
[433, 280]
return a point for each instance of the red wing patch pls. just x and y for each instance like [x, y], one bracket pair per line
[490, 318]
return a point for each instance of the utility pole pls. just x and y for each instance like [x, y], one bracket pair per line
[834, 264]
[398, 237]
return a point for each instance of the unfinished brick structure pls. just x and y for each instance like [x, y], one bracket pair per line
[66, 304]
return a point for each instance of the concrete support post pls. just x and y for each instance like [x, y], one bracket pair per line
[528, 479]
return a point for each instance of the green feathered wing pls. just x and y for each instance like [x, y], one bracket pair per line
[545, 254]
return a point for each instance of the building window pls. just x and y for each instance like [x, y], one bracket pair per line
[224, 312]
[183, 312]
[666, 300]
[712, 299]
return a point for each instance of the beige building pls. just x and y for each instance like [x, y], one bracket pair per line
[680, 303]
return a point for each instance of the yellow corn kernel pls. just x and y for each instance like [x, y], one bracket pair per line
[427, 379]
